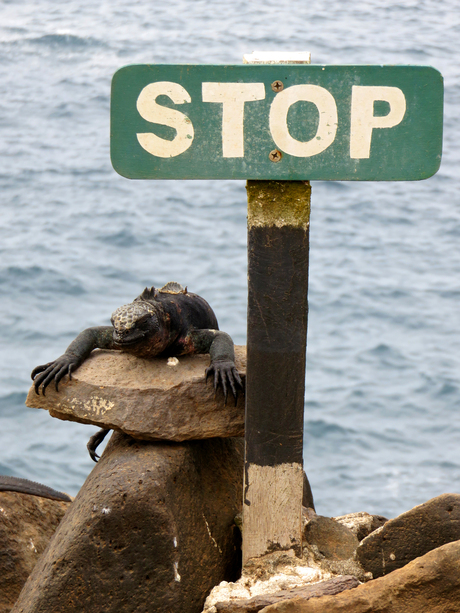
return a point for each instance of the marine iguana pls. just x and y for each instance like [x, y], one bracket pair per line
[163, 322]
[24, 486]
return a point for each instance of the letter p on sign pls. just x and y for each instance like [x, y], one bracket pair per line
[363, 120]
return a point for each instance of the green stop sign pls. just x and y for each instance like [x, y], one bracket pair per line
[285, 122]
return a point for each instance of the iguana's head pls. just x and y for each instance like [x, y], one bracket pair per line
[134, 324]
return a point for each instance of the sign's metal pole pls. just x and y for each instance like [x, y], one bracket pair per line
[278, 250]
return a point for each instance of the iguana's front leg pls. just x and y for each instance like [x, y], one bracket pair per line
[76, 353]
[220, 346]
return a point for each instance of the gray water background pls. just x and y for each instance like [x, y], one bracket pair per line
[382, 424]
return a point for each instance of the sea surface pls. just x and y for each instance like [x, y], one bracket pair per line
[382, 402]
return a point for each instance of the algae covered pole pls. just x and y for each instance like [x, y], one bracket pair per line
[278, 252]
[278, 247]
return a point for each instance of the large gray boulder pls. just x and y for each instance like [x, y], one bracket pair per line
[151, 530]
[410, 535]
[154, 399]
[27, 524]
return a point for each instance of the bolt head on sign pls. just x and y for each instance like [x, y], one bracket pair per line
[341, 123]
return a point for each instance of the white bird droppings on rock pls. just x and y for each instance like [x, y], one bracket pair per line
[32, 546]
[275, 572]
[176, 572]
[210, 535]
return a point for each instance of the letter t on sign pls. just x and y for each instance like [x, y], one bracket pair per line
[278, 249]
[232, 96]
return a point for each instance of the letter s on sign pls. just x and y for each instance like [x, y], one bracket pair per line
[155, 113]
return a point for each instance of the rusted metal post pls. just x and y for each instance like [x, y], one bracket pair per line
[278, 250]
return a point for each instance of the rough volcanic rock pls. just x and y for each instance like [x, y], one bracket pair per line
[151, 530]
[280, 574]
[255, 604]
[331, 546]
[147, 399]
[333, 540]
[26, 525]
[266, 575]
[361, 524]
[411, 535]
[430, 584]
[307, 494]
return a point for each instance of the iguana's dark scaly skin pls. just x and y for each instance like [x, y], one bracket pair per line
[166, 322]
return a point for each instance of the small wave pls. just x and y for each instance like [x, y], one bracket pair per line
[66, 41]
[443, 465]
[393, 439]
[321, 429]
[9, 405]
[448, 388]
[124, 238]
[6, 471]
[39, 280]
[386, 356]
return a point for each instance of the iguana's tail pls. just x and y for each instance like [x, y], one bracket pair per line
[24, 486]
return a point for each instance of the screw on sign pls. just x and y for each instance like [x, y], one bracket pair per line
[275, 155]
[277, 86]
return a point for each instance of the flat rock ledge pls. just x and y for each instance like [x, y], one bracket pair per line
[147, 399]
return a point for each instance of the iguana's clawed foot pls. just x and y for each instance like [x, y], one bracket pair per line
[44, 374]
[94, 443]
[227, 374]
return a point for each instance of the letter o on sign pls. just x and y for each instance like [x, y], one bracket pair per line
[327, 126]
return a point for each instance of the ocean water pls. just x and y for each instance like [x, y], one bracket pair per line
[382, 402]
